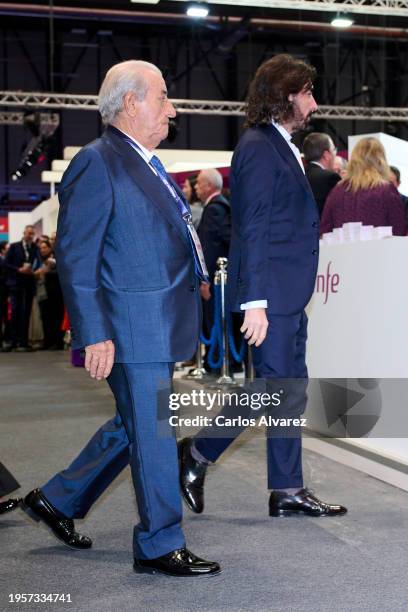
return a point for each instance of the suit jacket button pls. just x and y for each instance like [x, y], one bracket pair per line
[314, 224]
[314, 252]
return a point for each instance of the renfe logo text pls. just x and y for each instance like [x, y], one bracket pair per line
[327, 283]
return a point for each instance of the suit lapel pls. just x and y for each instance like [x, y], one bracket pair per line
[152, 186]
[284, 151]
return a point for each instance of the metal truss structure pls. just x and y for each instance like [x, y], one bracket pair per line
[187, 107]
[17, 118]
[367, 7]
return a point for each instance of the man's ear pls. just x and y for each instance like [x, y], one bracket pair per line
[291, 97]
[130, 103]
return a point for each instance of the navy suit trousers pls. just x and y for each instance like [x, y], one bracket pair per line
[131, 436]
[280, 356]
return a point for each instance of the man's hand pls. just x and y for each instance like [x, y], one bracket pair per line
[205, 291]
[25, 270]
[255, 325]
[99, 359]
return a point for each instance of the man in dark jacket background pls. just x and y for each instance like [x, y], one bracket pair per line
[21, 260]
[215, 234]
[320, 153]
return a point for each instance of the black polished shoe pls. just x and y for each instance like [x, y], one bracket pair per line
[9, 505]
[40, 509]
[192, 475]
[304, 502]
[179, 562]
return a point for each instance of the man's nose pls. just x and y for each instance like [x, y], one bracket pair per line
[171, 111]
[315, 107]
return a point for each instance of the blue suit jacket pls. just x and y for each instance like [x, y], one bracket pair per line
[275, 225]
[124, 257]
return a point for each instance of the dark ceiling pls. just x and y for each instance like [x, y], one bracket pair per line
[124, 10]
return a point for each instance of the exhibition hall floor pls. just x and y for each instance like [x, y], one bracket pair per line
[48, 410]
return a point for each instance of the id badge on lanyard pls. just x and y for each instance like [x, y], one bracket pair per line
[197, 244]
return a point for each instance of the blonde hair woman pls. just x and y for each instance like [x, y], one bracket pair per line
[366, 193]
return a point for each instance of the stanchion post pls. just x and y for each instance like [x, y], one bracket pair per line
[226, 377]
[198, 372]
[249, 366]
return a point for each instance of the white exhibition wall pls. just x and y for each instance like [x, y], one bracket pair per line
[358, 333]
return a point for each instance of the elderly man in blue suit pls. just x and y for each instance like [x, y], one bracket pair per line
[271, 275]
[130, 267]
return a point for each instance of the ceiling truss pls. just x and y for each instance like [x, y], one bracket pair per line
[40, 101]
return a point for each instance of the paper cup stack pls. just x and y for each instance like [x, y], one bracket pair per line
[355, 232]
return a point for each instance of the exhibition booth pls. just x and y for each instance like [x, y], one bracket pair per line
[358, 337]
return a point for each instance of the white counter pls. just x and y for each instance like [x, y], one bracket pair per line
[358, 329]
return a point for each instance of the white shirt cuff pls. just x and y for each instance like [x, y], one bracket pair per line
[255, 304]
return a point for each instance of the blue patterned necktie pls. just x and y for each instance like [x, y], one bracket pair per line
[200, 267]
[160, 169]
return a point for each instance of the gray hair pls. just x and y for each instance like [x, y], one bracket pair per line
[342, 162]
[315, 144]
[119, 80]
[213, 177]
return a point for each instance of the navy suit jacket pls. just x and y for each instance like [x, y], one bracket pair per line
[214, 231]
[15, 257]
[124, 257]
[275, 225]
[321, 181]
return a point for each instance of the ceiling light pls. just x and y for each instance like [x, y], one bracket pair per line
[199, 11]
[341, 20]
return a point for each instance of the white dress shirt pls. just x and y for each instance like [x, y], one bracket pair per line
[317, 164]
[144, 153]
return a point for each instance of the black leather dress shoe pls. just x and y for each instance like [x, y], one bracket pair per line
[9, 505]
[192, 475]
[40, 509]
[180, 562]
[304, 502]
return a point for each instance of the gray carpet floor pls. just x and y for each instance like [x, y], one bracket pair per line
[357, 562]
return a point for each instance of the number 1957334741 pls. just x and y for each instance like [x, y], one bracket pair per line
[39, 597]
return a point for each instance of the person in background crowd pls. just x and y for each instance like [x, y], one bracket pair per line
[215, 234]
[396, 181]
[340, 166]
[4, 294]
[8, 484]
[50, 300]
[189, 190]
[272, 270]
[320, 153]
[22, 259]
[366, 194]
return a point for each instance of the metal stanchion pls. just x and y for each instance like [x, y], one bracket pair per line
[249, 366]
[226, 377]
[197, 373]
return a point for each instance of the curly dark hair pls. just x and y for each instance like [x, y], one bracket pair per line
[273, 82]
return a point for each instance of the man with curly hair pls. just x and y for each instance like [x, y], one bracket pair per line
[272, 270]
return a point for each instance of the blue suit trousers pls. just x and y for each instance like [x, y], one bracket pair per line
[280, 356]
[130, 437]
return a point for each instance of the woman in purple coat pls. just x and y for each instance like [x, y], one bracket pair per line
[366, 193]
